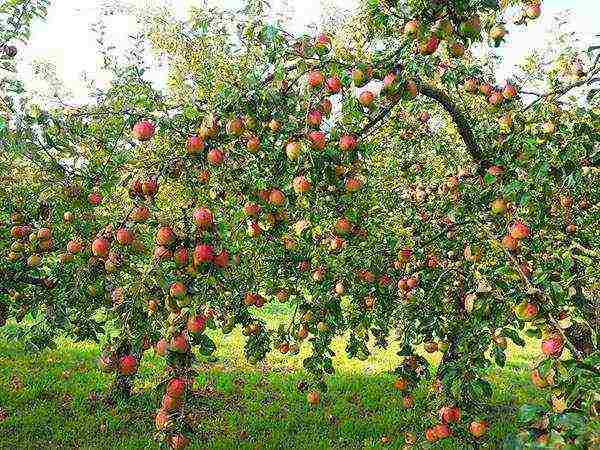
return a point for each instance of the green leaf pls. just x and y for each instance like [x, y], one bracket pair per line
[206, 346]
[514, 336]
[529, 414]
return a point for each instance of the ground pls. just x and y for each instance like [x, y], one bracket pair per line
[51, 400]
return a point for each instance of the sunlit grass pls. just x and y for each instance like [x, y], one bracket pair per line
[47, 397]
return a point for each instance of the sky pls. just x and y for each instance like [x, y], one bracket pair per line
[66, 40]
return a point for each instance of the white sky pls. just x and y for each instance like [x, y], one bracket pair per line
[67, 41]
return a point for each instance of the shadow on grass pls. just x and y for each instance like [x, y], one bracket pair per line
[52, 400]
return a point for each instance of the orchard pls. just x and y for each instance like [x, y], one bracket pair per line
[373, 176]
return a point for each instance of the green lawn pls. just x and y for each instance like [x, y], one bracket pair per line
[49, 402]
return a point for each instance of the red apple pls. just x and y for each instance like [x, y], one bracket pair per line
[125, 236]
[127, 365]
[203, 218]
[301, 185]
[176, 387]
[203, 253]
[214, 157]
[314, 118]
[222, 259]
[165, 236]
[315, 79]
[334, 84]
[194, 145]
[519, 230]
[95, 199]
[100, 247]
[366, 98]
[143, 131]
[347, 143]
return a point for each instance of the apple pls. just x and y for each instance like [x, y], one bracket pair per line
[509, 92]
[95, 199]
[177, 289]
[442, 431]
[276, 197]
[194, 145]
[127, 365]
[274, 125]
[150, 187]
[196, 324]
[181, 256]
[203, 218]
[478, 428]
[143, 130]
[498, 206]
[315, 79]
[234, 127]
[533, 11]
[252, 209]
[353, 184]
[498, 32]
[314, 118]
[222, 259]
[178, 441]
[408, 401]
[214, 157]
[74, 246]
[449, 414]
[519, 230]
[411, 28]
[495, 98]
[456, 50]
[140, 214]
[301, 185]
[431, 435]
[553, 346]
[334, 84]
[317, 139]
[322, 44]
[203, 253]
[313, 397]
[100, 247]
[359, 78]
[44, 234]
[179, 344]
[471, 85]
[162, 421]
[325, 106]
[486, 89]
[366, 98]
[292, 150]
[347, 143]
[389, 82]
[176, 388]
[170, 403]
[510, 243]
[124, 236]
[165, 236]
[253, 144]
[343, 226]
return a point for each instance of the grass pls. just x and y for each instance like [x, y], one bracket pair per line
[49, 401]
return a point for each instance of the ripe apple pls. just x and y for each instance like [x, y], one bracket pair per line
[222, 259]
[449, 414]
[495, 98]
[74, 246]
[178, 441]
[203, 253]
[276, 197]
[471, 85]
[127, 365]
[408, 401]
[143, 130]
[125, 236]
[170, 403]
[509, 92]
[95, 198]
[347, 143]
[214, 157]
[292, 150]
[486, 89]
[478, 428]
[510, 243]
[519, 230]
[176, 388]
[100, 247]
[334, 84]
[318, 140]
[322, 44]
[140, 214]
[325, 106]
[442, 431]
[314, 118]
[196, 324]
[162, 420]
[177, 289]
[313, 397]
[274, 125]
[203, 218]
[150, 187]
[429, 46]
[234, 127]
[165, 236]
[194, 145]
[456, 50]
[253, 144]
[533, 11]
[301, 185]
[179, 344]
[353, 184]
[366, 98]
[411, 28]
[181, 256]
[315, 79]
[553, 346]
